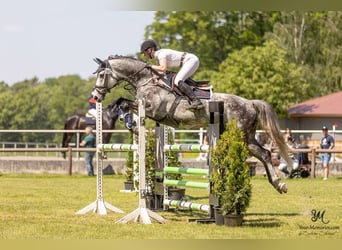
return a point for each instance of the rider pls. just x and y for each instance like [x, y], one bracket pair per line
[91, 106]
[187, 62]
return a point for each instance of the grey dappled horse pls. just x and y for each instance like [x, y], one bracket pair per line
[159, 102]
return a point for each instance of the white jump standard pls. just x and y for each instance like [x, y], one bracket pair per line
[99, 206]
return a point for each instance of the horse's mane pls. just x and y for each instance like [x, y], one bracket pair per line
[111, 57]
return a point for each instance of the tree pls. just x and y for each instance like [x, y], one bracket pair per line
[3, 87]
[32, 104]
[313, 40]
[210, 35]
[67, 98]
[262, 73]
[327, 70]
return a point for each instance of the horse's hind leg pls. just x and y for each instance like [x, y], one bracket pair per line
[265, 157]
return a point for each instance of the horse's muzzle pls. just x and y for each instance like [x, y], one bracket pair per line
[97, 96]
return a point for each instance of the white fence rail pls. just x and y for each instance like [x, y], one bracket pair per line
[312, 135]
[23, 147]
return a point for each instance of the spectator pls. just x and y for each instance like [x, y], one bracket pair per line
[89, 142]
[327, 142]
[288, 135]
[292, 145]
[301, 168]
[279, 162]
[91, 106]
[303, 158]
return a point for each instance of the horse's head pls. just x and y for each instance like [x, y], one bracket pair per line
[106, 79]
[115, 70]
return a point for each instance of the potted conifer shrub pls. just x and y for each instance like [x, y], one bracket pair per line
[218, 178]
[230, 175]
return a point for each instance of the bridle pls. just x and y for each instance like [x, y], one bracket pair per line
[108, 72]
[117, 76]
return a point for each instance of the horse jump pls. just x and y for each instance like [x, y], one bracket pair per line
[141, 214]
[190, 171]
[215, 128]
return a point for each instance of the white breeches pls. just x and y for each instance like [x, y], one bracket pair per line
[190, 65]
[92, 112]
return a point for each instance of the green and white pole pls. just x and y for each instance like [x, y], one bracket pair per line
[182, 170]
[187, 148]
[187, 205]
[117, 147]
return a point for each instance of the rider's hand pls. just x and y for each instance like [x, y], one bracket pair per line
[148, 66]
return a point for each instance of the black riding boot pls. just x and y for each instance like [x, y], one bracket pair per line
[186, 89]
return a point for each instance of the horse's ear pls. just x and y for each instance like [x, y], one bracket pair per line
[102, 64]
[98, 61]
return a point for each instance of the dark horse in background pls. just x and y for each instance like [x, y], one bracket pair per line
[79, 122]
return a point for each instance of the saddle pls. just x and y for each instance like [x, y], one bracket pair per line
[89, 120]
[201, 89]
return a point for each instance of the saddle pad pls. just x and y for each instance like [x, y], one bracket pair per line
[89, 121]
[203, 94]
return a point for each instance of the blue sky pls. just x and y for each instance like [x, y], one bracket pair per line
[50, 38]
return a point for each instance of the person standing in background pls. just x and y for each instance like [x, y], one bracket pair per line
[89, 142]
[327, 142]
[288, 135]
[92, 106]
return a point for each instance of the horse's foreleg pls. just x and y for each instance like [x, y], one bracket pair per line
[265, 157]
[66, 140]
[125, 112]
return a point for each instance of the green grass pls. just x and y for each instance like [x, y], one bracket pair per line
[44, 207]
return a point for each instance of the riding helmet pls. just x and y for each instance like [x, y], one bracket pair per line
[150, 43]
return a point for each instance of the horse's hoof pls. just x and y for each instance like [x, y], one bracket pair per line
[135, 130]
[282, 188]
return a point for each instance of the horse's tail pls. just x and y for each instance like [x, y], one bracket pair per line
[269, 122]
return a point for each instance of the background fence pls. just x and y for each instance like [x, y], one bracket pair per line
[195, 136]
[50, 149]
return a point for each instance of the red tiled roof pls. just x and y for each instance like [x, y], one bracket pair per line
[328, 106]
